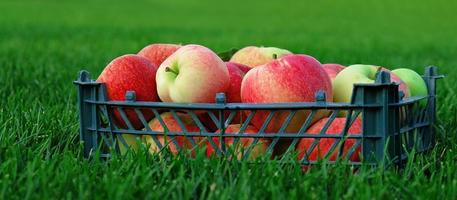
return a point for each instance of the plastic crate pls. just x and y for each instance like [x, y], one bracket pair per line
[391, 126]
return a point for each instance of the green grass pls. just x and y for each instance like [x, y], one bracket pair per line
[44, 44]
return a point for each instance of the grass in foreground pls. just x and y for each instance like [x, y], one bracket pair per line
[43, 46]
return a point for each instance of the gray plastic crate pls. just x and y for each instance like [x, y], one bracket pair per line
[390, 126]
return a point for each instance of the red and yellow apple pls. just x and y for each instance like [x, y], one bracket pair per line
[324, 144]
[193, 74]
[172, 126]
[157, 53]
[332, 70]
[345, 80]
[292, 78]
[130, 73]
[243, 144]
[253, 56]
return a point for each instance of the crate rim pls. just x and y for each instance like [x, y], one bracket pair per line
[319, 103]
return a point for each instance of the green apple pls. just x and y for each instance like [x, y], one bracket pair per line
[255, 56]
[415, 83]
[345, 80]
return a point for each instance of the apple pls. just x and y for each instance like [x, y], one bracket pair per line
[132, 142]
[253, 56]
[130, 73]
[193, 74]
[332, 70]
[324, 145]
[415, 83]
[172, 126]
[233, 94]
[243, 144]
[242, 67]
[157, 53]
[205, 119]
[345, 80]
[292, 78]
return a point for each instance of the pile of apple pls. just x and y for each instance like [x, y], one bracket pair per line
[195, 74]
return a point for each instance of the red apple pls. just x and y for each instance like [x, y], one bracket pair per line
[243, 68]
[243, 143]
[173, 126]
[233, 94]
[324, 145]
[130, 73]
[332, 70]
[193, 74]
[157, 53]
[205, 119]
[292, 78]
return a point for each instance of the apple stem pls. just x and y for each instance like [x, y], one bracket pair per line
[275, 56]
[378, 70]
[167, 69]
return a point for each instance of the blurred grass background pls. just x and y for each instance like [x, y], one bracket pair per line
[43, 44]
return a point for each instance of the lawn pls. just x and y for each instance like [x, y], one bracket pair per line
[44, 44]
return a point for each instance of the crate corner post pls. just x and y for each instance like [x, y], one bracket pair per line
[87, 90]
[430, 76]
[380, 127]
